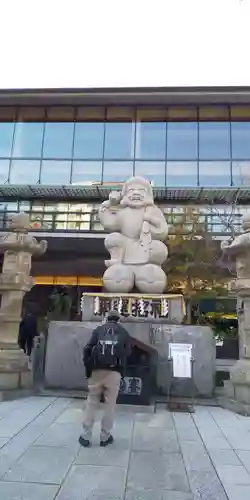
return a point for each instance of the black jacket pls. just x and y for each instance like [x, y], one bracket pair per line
[88, 349]
[28, 328]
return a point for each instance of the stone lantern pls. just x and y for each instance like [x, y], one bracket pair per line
[238, 388]
[18, 247]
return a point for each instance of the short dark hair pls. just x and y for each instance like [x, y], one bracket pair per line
[113, 315]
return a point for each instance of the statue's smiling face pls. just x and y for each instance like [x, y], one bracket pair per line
[136, 196]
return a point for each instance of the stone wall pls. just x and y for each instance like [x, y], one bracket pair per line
[64, 367]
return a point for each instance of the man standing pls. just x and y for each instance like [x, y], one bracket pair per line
[28, 330]
[104, 359]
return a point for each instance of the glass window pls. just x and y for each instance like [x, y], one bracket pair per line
[182, 140]
[240, 140]
[24, 171]
[4, 171]
[86, 172]
[58, 140]
[28, 139]
[55, 172]
[241, 173]
[151, 140]
[88, 142]
[6, 138]
[182, 174]
[154, 171]
[117, 171]
[214, 173]
[214, 140]
[119, 140]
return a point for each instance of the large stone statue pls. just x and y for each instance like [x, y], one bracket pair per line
[239, 250]
[138, 229]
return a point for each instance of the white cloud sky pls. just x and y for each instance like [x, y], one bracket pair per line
[118, 43]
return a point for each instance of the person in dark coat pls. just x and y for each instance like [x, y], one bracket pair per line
[28, 330]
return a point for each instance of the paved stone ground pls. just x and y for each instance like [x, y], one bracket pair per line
[204, 456]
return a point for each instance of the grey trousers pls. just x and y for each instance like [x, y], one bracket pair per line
[104, 382]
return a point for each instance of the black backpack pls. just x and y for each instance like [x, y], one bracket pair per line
[109, 351]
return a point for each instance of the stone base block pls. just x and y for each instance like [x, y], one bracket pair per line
[16, 380]
[235, 406]
[17, 394]
[240, 372]
[14, 373]
[236, 397]
[13, 360]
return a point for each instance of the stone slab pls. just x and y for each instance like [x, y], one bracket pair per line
[60, 435]
[153, 439]
[233, 474]
[154, 470]
[41, 464]
[237, 492]
[27, 491]
[244, 456]
[157, 495]
[95, 482]
[195, 456]
[102, 456]
[205, 485]
[224, 457]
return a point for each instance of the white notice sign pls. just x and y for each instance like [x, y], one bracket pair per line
[181, 355]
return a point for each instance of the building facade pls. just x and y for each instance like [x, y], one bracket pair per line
[61, 152]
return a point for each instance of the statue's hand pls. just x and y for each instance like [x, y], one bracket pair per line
[115, 198]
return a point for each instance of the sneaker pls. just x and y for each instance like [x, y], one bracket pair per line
[108, 441]
[84, 442]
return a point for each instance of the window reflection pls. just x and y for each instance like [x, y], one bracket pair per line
[241, 173]
[117, 171]
[58, 140]
[119, 140]
[86, 172]
[240, 140]
[6, 138]
[154, 171]
[182, 140]
[151, 140]
[214, 140]
[4, 171]
[182, 174]
[24, 171]
[88, 141]
[55, 172]
[28, 140]
[214, 173]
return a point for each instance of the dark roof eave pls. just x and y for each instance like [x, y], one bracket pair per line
[126, 96]
[92, 193]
